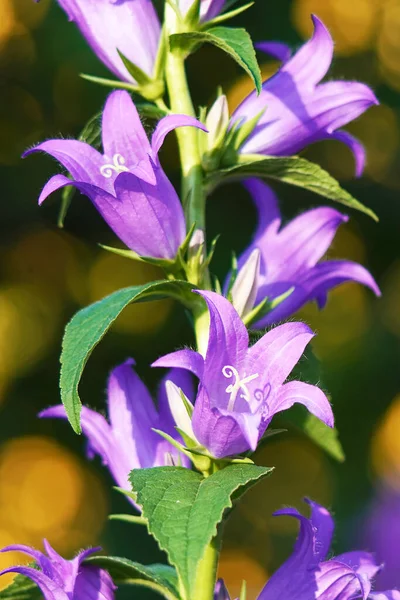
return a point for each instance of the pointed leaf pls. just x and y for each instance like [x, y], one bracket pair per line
[21, 588]
[184, 509]
[161, 578]
[293, 170]
[89, 325]
[235, 42]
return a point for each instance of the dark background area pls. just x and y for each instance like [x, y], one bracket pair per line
[47, 488]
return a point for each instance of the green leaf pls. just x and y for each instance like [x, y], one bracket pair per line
[160, 578]
[294, 170]
[22, 588]
[235, 42]
[183, 509]
[308, 369]
[89, 325]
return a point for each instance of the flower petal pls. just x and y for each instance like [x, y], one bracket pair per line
[278, 351]
[244, 290]
[49, 589]
[178, 409]
[122, 130]
[389, 595]
[169, 123]
[148, 218]
[183, 359]
[228, 338]
[363, 563]
[330, 273]
[132, 27]
[55, 183]
[80, 159]
[312, 397]
[355, 146]
[93, 583]
[277, 50]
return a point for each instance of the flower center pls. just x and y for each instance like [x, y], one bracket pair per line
[117, 166]
[239, 384]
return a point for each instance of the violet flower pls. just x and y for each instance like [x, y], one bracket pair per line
[130, 26]
[242, 388]
[280, 259]
[307, 575]
[60, 579]
[126, 184]
[298, 110]
[127, 441]
[209, 9]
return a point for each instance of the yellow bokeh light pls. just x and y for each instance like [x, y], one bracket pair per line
[388, 43]
[352, 24]
[110, 273]
[243, 86]
[47, 492]
[386, 446]
[237, 565]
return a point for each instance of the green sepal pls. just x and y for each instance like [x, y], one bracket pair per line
[180, 447]
[89, 325]
[265, 307]
[184, 509]
[293, 170]
[21, 588]
[243, 590]
[238, 136]
[226, 15]
[133, 519]
[151, 89]
[234, 41]
[192, 16]
[127, 493]
[159, 578]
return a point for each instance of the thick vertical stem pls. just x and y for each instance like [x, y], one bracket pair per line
[207, 572]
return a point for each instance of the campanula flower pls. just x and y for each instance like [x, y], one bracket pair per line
[242, 388]
[297, 110]
[126, 183]
[128, 441]
[287, 259]
[209, 9]
[60, 579]
[130, 26]
[308, 575]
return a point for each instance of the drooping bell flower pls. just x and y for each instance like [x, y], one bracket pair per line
[126, 182]
[60, 579]
[308, 575]
[241, 387]
[209, 9]
[130, 26]
[128, 441]
[297, 110]
[287, 259]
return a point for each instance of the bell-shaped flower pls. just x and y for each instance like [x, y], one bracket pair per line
[126, 182]
[128, 441]
[296, 110]
[131, 27]
[308, 575]
[209, 9]
[60, 579]
[242, 388]
[287, 260]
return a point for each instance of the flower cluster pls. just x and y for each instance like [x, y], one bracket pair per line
[243, 379]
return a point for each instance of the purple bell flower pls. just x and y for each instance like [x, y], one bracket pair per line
[298, 110]
[242, 388]
[60, 579]
[280, 259]
[127, 441]
[308, 575]
[126, 184]
[130, 26]
[209, 9]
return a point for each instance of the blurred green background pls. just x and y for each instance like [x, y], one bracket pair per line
[47, 488]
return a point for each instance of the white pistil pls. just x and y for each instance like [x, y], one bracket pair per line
[233, 389]
[117, 166]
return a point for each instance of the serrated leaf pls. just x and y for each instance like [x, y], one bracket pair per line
[294, 170]
[184, 509]
[89, 325]
[234, 41]
[160, 578]
[22, 588]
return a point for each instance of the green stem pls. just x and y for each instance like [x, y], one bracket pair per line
[206, 574]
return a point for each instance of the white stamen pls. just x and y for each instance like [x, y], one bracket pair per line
[233, 389]
[117, 166]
